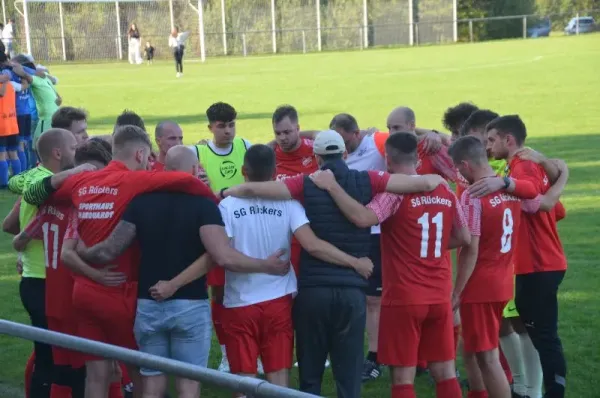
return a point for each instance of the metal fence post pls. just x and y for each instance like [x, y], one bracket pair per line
[303, 42]
[4, 11]
[273, 27]
[318, 5]
[577, 24]
[471, 30]
[119, 44]
[524, 27]
[365, 29]
[455, 21]
[224, 27]
[27, 32]
[201, 30]
[244, 44]
[172, 17]
[411, 33]
[62, 30]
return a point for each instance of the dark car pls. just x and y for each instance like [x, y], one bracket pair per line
[540, 29]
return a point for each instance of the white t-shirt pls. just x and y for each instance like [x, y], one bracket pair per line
[258, 228]
[367, 157]
[225, 151]
[7, 33]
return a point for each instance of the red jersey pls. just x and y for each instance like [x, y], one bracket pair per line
[102, 196]
[495, 219]
[300, 161]
[415, 234]
[157, 166]
[539, 247]
[50, 225]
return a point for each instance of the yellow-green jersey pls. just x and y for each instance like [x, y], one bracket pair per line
[34, 262]
[223, 168]
[499, 166]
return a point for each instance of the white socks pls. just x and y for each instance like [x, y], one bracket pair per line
[533, 367]
[511, 347]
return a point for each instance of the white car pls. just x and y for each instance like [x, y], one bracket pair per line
[586, 25]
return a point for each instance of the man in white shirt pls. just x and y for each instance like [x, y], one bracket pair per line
[257, 318]
[7, 38]
[363, 155]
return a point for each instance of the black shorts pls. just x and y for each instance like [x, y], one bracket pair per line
[374, 288]
[24, 122]
[10, 142]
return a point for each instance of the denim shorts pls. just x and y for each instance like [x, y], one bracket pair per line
[175, 329]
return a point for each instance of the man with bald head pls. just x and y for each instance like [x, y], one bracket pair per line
[166, 135]
[173, 313]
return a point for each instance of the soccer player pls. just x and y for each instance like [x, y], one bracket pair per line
[363, 155]
[330, 309]
[57, 151]
[72, 119]
[129, 117]
[50, 226]
[258, 307]
[417, 231]
[106, 313]
[182, 328]
[485, 273]
[540, 262]
[222, 159]
[166, 135]
[455, 116]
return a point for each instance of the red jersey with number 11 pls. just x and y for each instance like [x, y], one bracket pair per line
[50, 225]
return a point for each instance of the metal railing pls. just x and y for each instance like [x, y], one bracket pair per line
[247, 385]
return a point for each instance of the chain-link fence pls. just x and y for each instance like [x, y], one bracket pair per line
[84, 30]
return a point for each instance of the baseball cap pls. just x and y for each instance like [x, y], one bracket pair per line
[328, 142]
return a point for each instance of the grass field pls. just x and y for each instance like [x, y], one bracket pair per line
[552, 83]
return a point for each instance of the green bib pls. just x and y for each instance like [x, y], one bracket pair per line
[34, 262]
[223, 171]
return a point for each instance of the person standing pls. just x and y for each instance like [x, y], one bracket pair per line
[176, 43]
[7, 38]
[9, 128]
[149, 51]
[134, 41]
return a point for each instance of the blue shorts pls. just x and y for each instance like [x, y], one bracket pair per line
[175, 329]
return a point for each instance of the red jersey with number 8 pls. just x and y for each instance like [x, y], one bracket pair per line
[495, 218]
[50, 226]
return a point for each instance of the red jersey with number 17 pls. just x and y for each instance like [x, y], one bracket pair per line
[50, 225]
[415, 234]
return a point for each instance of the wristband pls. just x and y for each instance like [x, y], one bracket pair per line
[221, 193]
[507, 182]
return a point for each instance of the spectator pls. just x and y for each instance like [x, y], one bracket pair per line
[134, 41]
[7, 38]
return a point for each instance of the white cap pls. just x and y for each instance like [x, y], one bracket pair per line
[29, 57]
[329, 142]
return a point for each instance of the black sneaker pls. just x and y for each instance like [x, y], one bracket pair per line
[371, 371]
[515, 395]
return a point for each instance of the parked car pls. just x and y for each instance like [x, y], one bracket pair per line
[586, 25]
[540, 29]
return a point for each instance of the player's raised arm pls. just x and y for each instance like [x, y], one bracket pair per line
[401, 183]
[59, 185]
[549, 200]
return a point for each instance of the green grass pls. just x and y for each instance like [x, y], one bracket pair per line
[552, 83]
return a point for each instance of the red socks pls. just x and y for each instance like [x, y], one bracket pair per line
[403, 391]
[505, 367]
[57, 391]
[448, 389]
[216, 312]
[477, 394]
[115, 390]
[29, 373]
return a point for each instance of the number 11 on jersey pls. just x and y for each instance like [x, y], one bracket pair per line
[46, 229]
[423, 221]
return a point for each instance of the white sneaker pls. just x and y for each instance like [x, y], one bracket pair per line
[178, 74]
[259, 365]
[224, 366]
[327, 363]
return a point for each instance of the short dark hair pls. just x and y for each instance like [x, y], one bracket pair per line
[478, 120]
[345, 122]
[468, 148]
[221, 112]
[455, 116]
[401, 148]
[259, 162]
[129, 117]
[284, 111]
[93, 150]
[129, 134]
[66, 115]
[509, 125]
[331, 157]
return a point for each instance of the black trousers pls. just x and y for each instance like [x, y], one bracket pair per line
[178, 55]
[33, 297]
[537, 303]
[330, 320]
